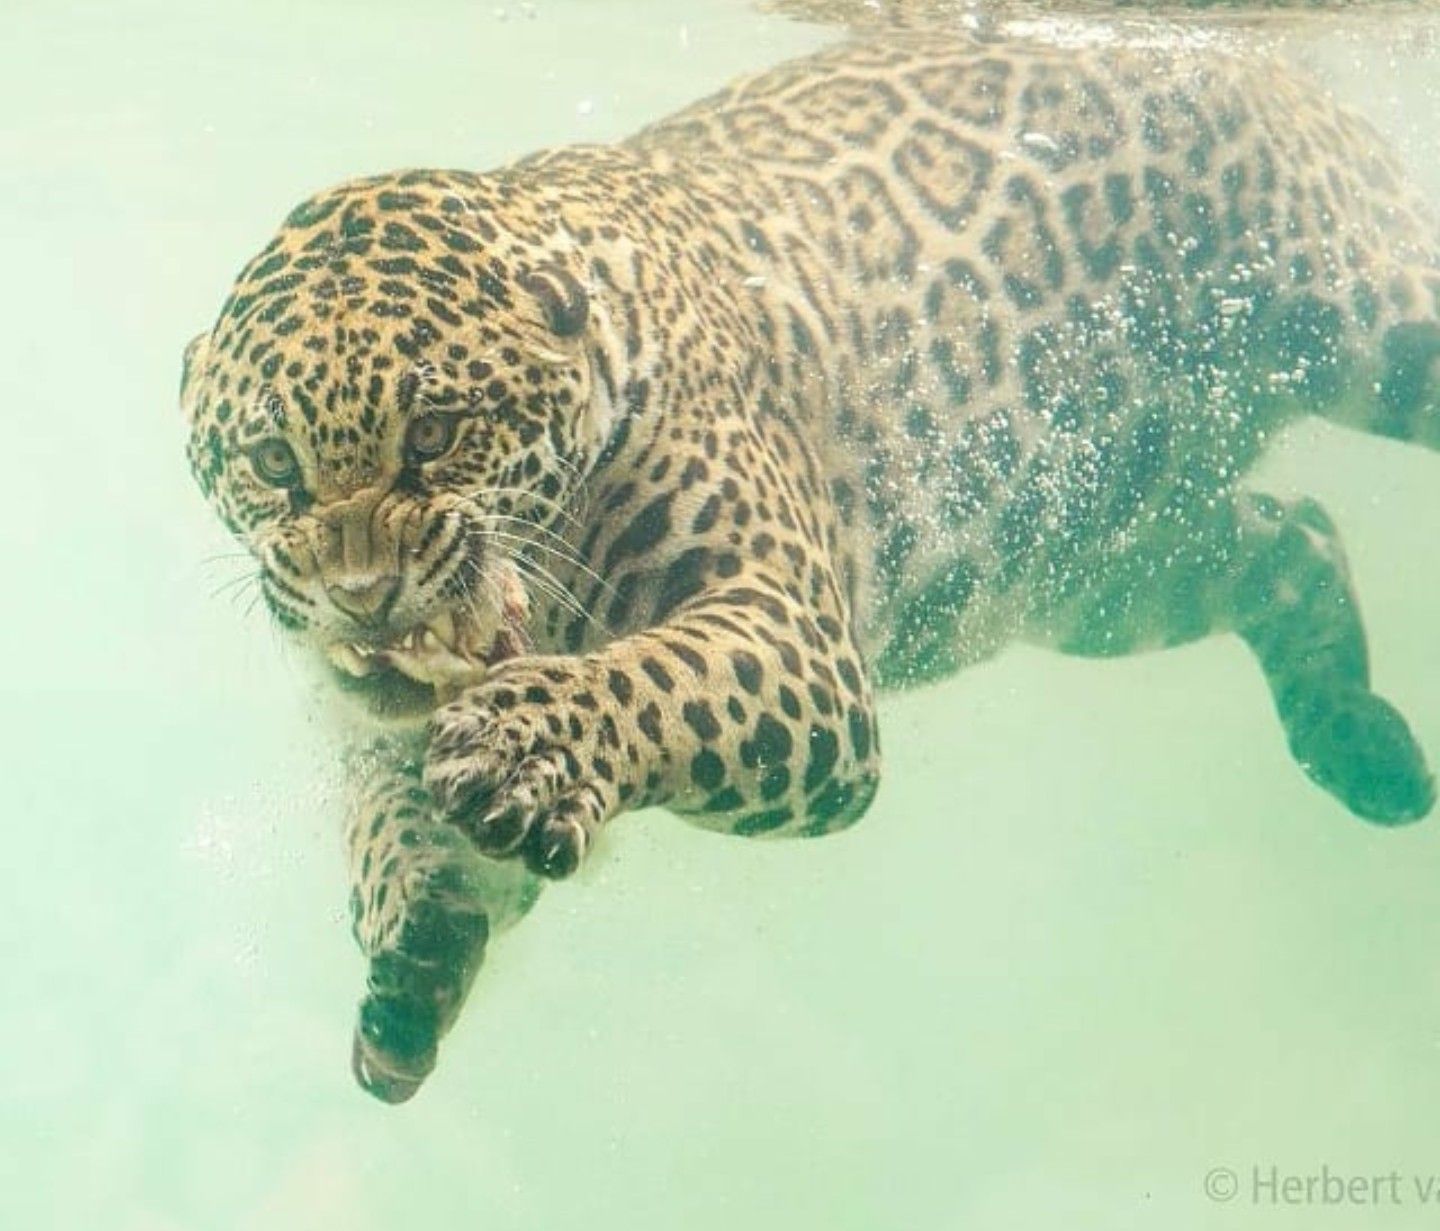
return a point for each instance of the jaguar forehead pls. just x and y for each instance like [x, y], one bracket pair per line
[349, 348]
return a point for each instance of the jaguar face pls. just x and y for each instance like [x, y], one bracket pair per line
[386, 412]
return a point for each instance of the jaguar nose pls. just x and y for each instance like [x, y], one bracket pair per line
[367, 601]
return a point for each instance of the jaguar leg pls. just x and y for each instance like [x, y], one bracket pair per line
[423, 906]
[1273, 572]
[1292, 602]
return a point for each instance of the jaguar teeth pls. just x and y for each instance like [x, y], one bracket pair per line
[353, 659]
[449, 651]
[442, 627]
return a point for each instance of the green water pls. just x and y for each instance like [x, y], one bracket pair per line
[1097, 937]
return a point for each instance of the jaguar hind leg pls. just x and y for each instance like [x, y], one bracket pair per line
[423, 906]
[1292, 602]
[1273, 572]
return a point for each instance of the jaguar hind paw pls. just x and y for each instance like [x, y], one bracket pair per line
[1358, 747]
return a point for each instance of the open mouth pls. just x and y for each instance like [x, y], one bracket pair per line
[431, 663]
[439, 652]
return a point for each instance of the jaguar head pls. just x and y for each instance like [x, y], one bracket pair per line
[392, 412]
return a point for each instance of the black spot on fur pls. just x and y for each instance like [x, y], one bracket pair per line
[683, 579]
[648, 720]
[859, 732]
[658, 675]
[700, 719]
[747, 670]
[645, 531]
[824, 752]
[707, 769]
[772, 741]
[755, 823]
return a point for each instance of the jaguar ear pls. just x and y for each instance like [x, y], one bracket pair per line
[195, 354]
[563, 301]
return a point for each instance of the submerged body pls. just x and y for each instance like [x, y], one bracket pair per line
[837, 381]
[1040, 313]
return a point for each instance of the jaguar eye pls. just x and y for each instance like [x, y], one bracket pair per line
[430, 436]
[275, 462]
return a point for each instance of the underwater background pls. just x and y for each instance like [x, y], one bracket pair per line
[1098, 942]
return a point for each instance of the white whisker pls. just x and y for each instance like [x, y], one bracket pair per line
[564, 551]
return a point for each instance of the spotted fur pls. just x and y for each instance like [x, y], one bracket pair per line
[842, 379]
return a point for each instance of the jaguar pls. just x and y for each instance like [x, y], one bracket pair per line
[627, 476]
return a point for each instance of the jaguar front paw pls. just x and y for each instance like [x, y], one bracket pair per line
[413, 993]
[516, 765]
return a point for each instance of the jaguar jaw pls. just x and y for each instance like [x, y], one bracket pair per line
[448, 653]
